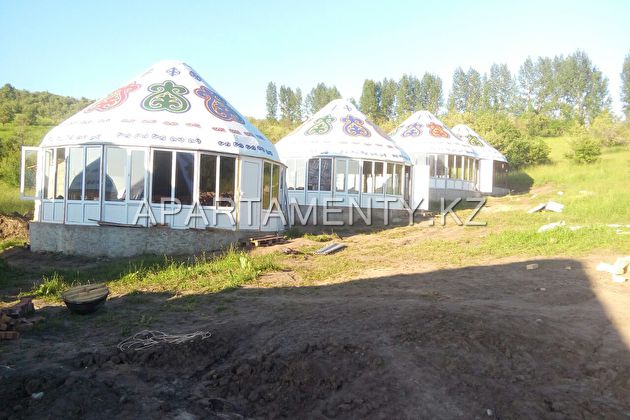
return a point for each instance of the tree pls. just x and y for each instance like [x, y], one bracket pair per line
[295, 105]
[272, 101]
[459, 92]
[430, 93]
[474, 91]
[389, 88]
[407, 96]
[369, 103]
[319, 97]
[625, 86]
[284, 99]
[527, 85]
[582, 89]
[6, 114]
[499, 88]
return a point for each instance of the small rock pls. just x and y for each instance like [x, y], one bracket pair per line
[489, 412]
[568, 267]
[542, 289]
[37, 395]
[123, 399]
[531, 266]
[539, 321]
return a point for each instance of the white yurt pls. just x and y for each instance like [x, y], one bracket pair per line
[164, 151]
[340, 158]
[444, 165]
[493, 166]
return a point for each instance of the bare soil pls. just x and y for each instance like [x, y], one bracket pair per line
[490, 341]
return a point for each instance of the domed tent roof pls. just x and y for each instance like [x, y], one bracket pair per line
[423, 132]
[482, 147]
[340, 129]
[169, 105]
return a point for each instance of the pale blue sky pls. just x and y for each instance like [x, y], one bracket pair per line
[87, 48]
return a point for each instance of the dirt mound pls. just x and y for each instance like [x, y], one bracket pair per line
[13, 227]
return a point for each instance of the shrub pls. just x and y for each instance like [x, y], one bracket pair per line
[584, 149]
[610, 132]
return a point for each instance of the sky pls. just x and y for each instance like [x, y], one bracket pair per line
[88, 48]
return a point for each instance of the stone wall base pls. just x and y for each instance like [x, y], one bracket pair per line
[115, 241]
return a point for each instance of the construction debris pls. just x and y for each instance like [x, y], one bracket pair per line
[291, 251]
[13, 319]
[549, 205]
[620, 270]
[550, 226]
[267, 240]
[329, 249]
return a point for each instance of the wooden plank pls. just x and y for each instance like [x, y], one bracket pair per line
[9, 335]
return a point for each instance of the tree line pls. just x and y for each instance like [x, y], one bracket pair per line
[546, 97]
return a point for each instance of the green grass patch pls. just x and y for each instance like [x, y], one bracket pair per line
[204, 275]
[324, 237]
[10, 200]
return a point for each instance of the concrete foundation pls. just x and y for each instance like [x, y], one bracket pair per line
[115, 241]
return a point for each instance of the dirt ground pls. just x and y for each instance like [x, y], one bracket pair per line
[491, 341]
[14, 226]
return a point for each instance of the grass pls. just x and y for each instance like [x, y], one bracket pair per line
[10, 200]
[204, 275]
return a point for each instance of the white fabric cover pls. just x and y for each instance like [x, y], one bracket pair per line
[424, 133]
[340, 130]
[482, 147]
[169, 105]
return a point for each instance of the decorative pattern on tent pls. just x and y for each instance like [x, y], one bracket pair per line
[321, 126]
[340, 129]
[482, 147]
[353, 126]
[168, 105]
[412, 136]
[166, 96]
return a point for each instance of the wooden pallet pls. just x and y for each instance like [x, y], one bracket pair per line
[267, 240]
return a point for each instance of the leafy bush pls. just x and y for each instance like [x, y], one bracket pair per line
[610, 132]
[584, 149]
[543, 126]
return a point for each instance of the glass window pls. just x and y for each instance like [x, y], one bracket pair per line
[227, 181]
[340, 175]
[92, 173]
[29, 174]
[407, 183]
[137, 174]
[431, 165]
[398, 180]
[275, 182]
[49, 173]
[325, 177]
[440, 166]
[368, 177]
[452, 168]
[161, 176]
[115, 174]
[291, 167]
[184, 177]
[267, 185]
[207, 179]
[378, 177]
[300, 174]
[75, 173]
[389, 178]
[60, 173]
[354, 177]
[313, 174]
